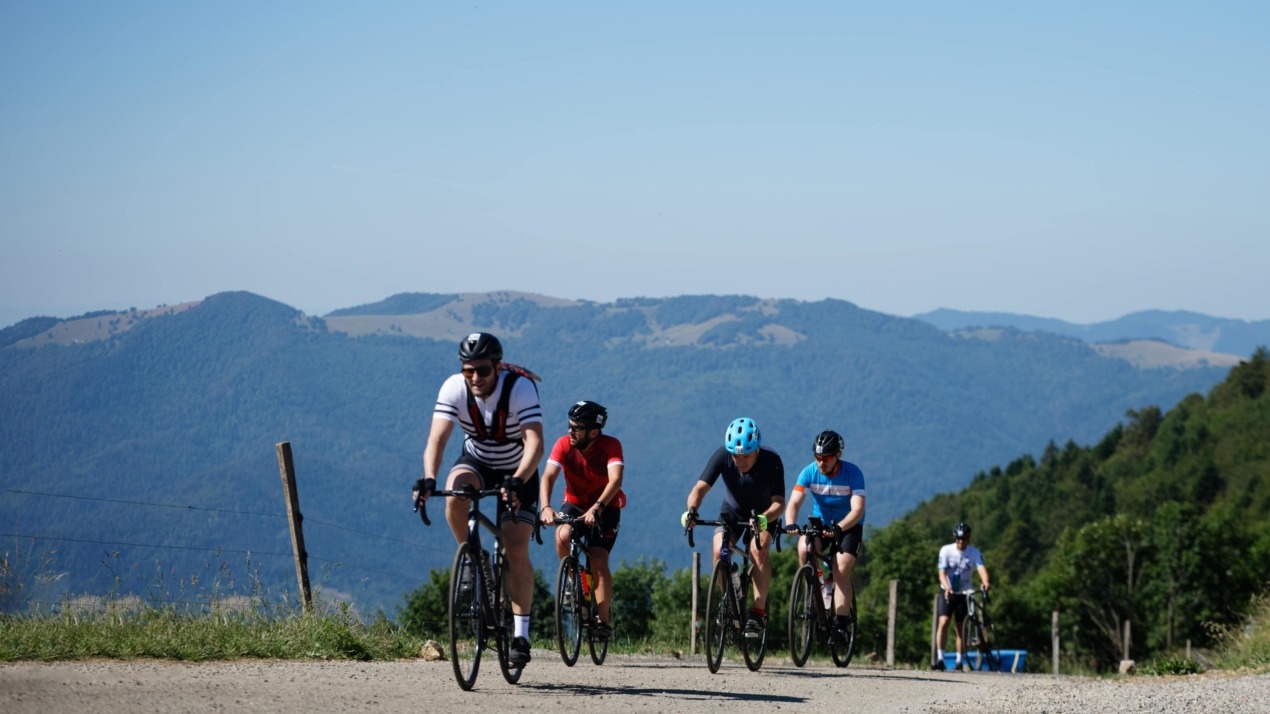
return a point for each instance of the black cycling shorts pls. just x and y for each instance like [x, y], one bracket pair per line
[954, 607]
[493, 478]
[605, 535]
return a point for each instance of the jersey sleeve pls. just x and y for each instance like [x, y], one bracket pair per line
[449, 397]
[714, 467]
[558, 450]
[524, 402]
[614, 449]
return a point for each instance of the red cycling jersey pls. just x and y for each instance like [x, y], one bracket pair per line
[587, 473]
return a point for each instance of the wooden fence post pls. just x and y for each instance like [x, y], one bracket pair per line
[696, 584]
[891, 611]
[934, 627]
[1128, 639]
[287, 469]
[1054, 638]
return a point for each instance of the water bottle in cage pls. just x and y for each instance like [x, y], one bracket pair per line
[827, 589]
[586, 583]
[736, 577]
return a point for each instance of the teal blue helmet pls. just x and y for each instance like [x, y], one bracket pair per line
[742, 436]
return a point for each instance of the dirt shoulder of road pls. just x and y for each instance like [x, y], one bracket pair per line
[624, 683]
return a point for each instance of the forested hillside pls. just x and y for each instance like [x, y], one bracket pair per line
[1165, 521]
[140, 447]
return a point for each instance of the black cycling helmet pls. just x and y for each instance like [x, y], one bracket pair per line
[828, 442]
[588, 414]
[480, 345]
[961, 530]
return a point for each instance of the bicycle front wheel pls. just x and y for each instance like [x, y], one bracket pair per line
[467, 617]
[718, 613]
[842, 640]
[802, 614]
[568, 610]
[506, 624]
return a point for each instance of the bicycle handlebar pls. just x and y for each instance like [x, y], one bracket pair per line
[724, 522]
[466, 492]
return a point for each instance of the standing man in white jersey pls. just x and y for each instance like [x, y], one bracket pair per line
[496, 405]
[958, 562]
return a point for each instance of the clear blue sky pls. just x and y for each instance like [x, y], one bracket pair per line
[1071, 160]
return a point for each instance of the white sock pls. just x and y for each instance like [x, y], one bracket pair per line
[940, 658]
[522, 626]
[958, 658]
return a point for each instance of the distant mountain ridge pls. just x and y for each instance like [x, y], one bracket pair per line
[1190, 330]
[186, 405]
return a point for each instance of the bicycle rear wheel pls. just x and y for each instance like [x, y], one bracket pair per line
[599, 647]
[842, 640]
[718, 614]
[506, 625]
[979, 638]
[569, 610]
[467, 617]
[802, 614]
[753, 649]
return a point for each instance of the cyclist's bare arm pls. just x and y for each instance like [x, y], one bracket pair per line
[529, 458]
[697, 495]
[438, 437]
[610, 492]
[856, 515]
[791, 507]
[545, 486]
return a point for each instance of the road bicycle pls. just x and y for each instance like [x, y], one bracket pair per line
[576, 611]
[810, 618]
[978, 630]
[730, 599]
[480, 602]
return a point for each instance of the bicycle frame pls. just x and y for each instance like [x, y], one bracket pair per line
[726, 623]
[577, 605]
[977, 630]
[809, 618]
[479, 612]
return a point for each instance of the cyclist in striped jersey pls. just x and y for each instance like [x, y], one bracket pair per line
[496, 405]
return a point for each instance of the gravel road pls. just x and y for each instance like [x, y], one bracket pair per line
[624, 683]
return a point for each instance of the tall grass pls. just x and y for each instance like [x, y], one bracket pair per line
[1247, 646]
[123, 631]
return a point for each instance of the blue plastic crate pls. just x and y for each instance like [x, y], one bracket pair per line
[1011, 660]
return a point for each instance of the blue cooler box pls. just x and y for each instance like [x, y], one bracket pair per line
[1011, 660]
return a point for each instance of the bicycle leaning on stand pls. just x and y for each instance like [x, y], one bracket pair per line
[978, 633]
[576, 611]
[729, 599]
[480, 602]
[811, 619]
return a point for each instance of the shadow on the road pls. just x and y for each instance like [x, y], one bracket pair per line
[692, 694]
[777, 669]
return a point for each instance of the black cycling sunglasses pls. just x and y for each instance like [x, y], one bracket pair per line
[483, 371]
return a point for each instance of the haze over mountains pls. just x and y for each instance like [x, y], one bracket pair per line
[1189, 330]
[183, 405]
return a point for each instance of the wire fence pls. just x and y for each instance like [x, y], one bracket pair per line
[309, 522]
